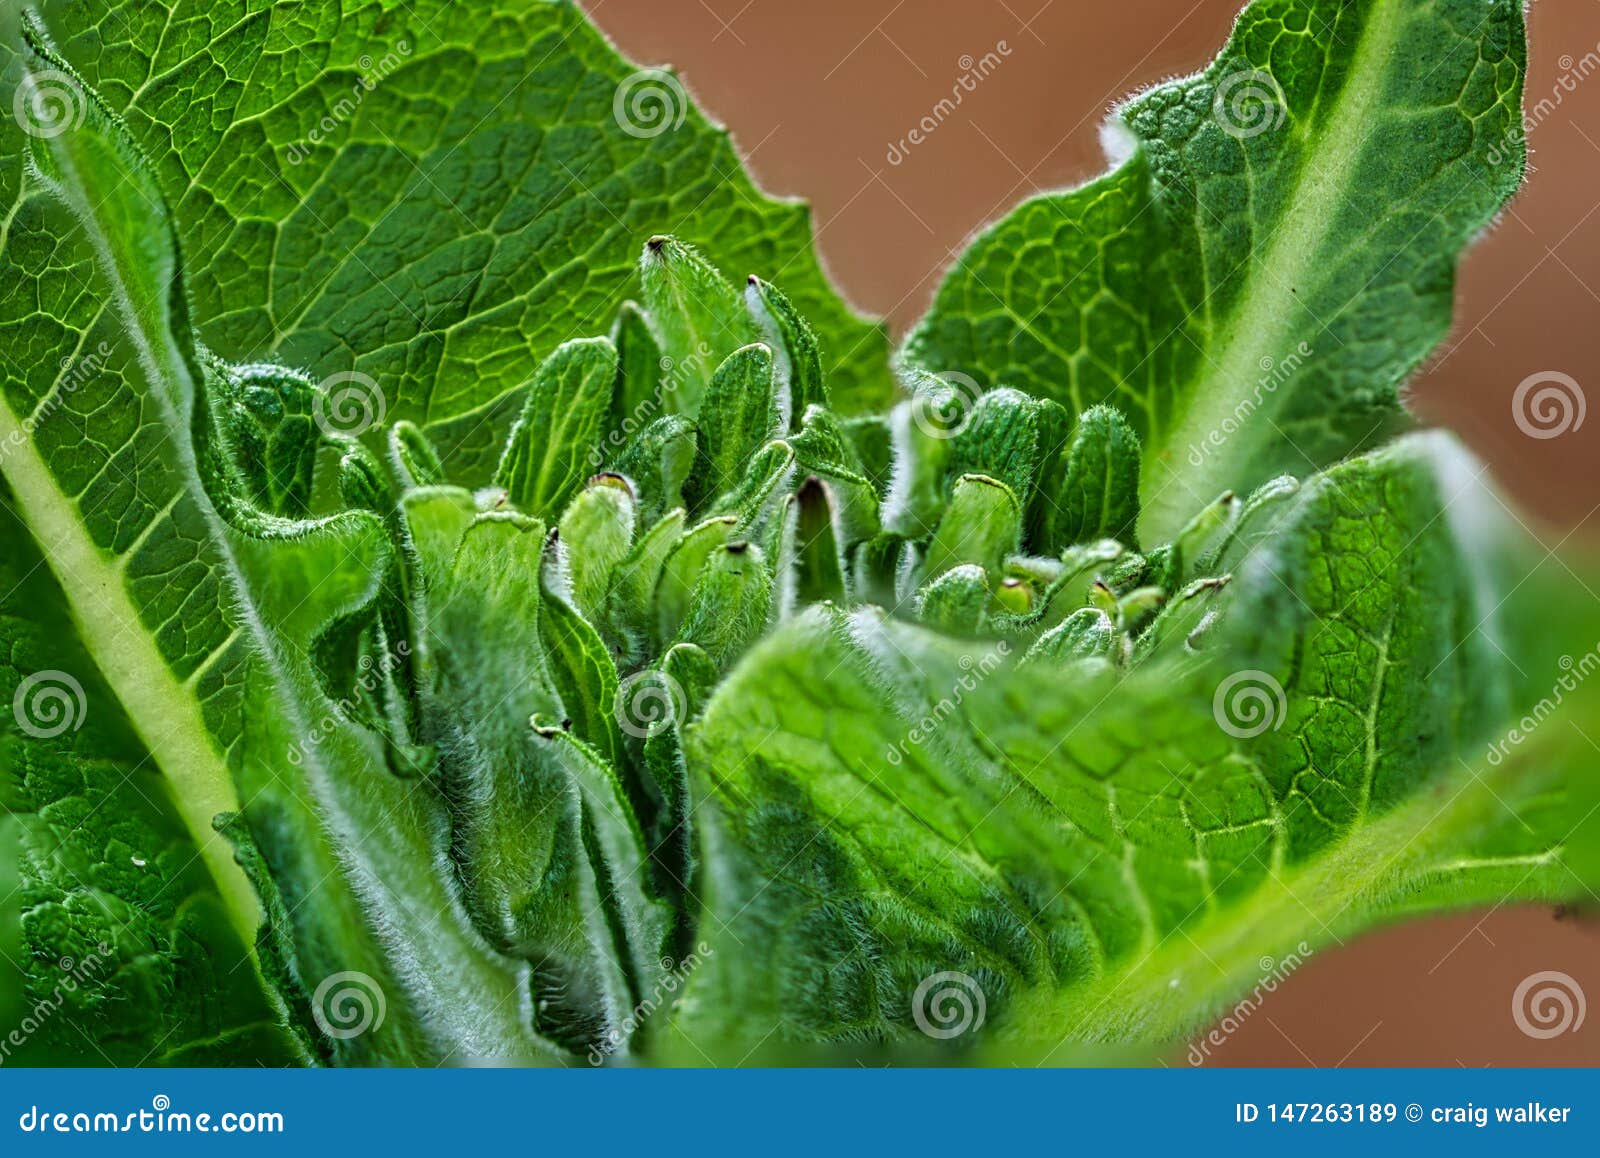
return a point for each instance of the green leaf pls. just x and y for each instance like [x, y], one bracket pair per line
[681, 571]
[798, 376]
[957, 601]
[639, 395]
[488, 583]
[330, 166]
[1015, 440]
[368, 744]
[1274, 252]
[920, 431]
[810, 565]
[1099, 497]
[730, 603]
[629, 615]
[892, 804]
[1086, 633]
[700, 318]
[543, 836]
[547, 456]
[415, 461]
[741, 413]
[759, 493]
[205, 619]
[585, 675]
[596, 534]
[134, 957]
[822, 447]
[982, 525]
[268, 432]
[659, 459]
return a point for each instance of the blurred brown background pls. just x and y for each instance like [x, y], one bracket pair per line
[817, 93]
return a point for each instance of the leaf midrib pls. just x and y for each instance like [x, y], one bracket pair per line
[1261, 328]
[1158, 997]
[165, 716]
[194, 772]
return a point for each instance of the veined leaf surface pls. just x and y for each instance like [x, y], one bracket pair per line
[1273, 255]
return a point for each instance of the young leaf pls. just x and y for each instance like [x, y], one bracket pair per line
[957, 601]
[658, 460]
[1087, 632]
[681, 572]
[822, 447]
[1016, 440]
[267, 430]
[628, 618]
[729, 605]
[982, 525]
[1100, 835]
[810, 567]
[920, 439]
[740, 414]
[753, 500]
[699, 316]
[797, 376]
[1099, 496]
[547, 456]
[596, 533]
[640, 393]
